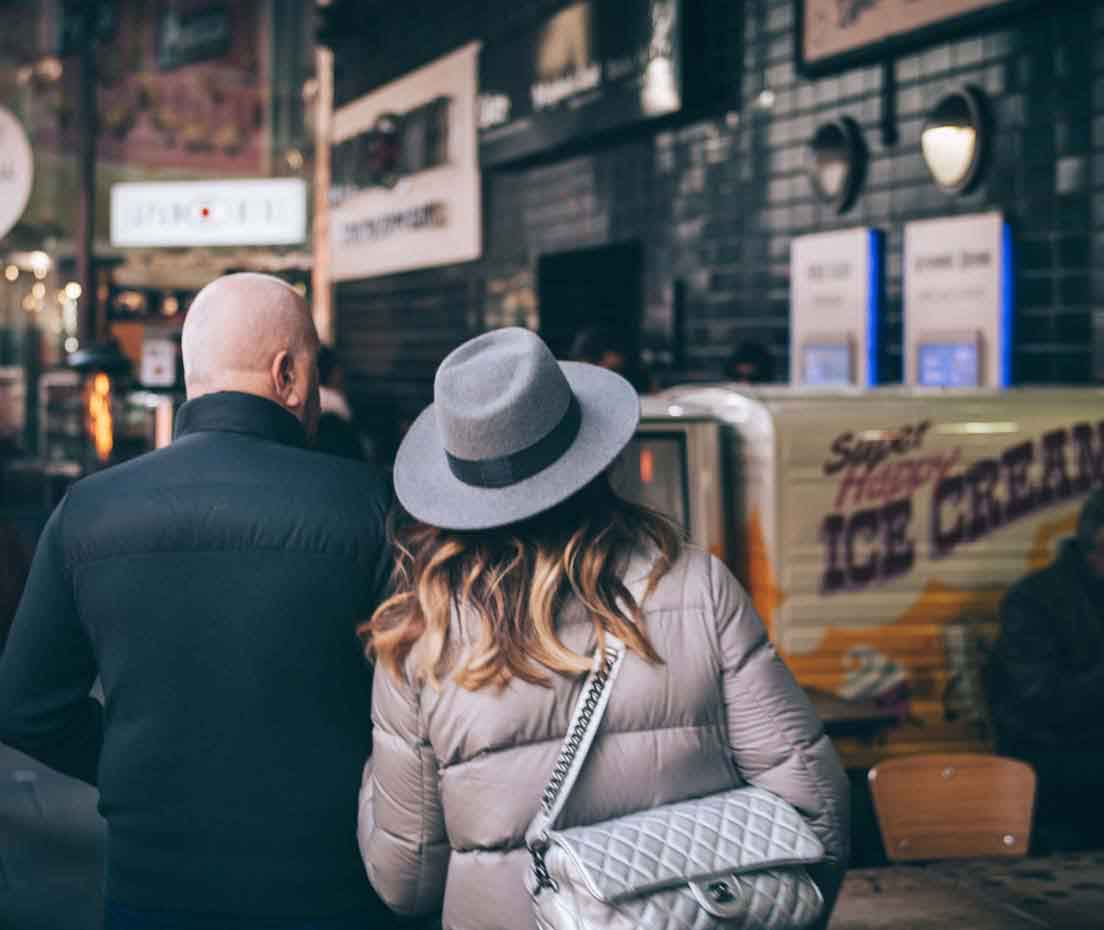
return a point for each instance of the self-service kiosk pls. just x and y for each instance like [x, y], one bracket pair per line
[958, 300]
[835, 306]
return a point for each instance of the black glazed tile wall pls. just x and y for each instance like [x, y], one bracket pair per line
[716, 199]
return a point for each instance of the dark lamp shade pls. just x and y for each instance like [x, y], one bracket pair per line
[837, 162]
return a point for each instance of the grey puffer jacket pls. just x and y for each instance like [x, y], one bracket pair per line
[456, 775]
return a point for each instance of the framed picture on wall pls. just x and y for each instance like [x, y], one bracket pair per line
[834, 34]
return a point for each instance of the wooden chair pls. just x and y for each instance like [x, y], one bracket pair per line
[955, 806]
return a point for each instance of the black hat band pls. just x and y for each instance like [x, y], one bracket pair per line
[505, 470]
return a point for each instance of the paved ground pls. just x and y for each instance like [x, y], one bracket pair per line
[51, 849]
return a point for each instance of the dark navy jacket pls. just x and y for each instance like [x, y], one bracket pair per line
[214, 587]
[1046, 674]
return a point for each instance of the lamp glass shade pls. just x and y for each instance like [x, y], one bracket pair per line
[951, 140]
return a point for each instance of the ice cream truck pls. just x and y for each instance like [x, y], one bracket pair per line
[876, 530]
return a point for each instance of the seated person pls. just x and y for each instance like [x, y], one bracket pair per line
[1046, 686]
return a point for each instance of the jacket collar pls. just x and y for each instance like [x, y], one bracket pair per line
[235, 412]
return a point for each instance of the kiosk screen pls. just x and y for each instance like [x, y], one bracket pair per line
[948, 364]
[826, 364]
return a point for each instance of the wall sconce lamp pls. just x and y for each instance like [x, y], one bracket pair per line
[955, 140]
[837, 162]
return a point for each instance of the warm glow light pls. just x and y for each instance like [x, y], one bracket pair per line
[73, 290]
[40, 264]
[647, 466]
[50, 68]
[949, 152]
[11, 273]
[29, 303]
[39, 290]
[170, 306]
[100, 426]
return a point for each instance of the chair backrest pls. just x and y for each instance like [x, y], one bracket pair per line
[954, 806]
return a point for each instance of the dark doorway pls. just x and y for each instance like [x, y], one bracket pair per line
[600, 287]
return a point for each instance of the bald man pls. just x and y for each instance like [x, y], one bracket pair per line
[215, 587]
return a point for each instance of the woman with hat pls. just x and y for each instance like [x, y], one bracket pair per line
[519, 563]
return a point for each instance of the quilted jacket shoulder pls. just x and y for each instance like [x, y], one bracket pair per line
[457, 775]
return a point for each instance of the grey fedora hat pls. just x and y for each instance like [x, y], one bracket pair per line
[511, 433]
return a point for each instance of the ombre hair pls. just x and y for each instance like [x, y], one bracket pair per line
[513, 581]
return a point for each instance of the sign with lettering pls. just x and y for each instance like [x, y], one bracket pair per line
[405, 191]
[899, 493]
[837, 33]
[16, 171]
[834, 307]
[593, 66]
[270, 211]
[958, 299]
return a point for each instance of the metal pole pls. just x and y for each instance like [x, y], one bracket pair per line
[321, 283]
[91, 327]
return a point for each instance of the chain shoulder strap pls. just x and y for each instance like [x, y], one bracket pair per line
[588, 714]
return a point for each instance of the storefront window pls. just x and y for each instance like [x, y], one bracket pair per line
[185, 91]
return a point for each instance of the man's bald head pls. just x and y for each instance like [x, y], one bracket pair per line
[253, 333]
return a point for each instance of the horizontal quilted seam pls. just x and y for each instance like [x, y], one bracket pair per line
[707, 725]
[737, 832]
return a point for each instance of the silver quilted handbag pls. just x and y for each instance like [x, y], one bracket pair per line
[730, 860]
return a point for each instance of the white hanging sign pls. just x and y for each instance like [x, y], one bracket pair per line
[16, 170]
[262, 211]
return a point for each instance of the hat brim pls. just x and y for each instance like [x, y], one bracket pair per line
[430, 492]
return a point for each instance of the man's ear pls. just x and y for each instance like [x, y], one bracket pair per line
[283, 380]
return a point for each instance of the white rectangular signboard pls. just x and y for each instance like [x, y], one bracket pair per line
[426, 215]
[264, 211]
[958, 300]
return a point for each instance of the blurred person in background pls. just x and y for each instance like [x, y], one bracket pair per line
[517, 564]
[337, 432]
[214, 586]
[1046, 685]
[751, 363]
[600, 345]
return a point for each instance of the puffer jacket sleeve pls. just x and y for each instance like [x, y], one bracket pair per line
[401, 825]
[776, 739]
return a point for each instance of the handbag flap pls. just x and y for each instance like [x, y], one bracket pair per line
[743, 830]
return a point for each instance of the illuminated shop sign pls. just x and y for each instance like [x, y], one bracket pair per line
[209, 213]
[593, 66]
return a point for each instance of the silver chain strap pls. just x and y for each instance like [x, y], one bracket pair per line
[570, 748]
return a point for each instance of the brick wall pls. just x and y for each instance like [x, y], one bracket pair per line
[716, 198]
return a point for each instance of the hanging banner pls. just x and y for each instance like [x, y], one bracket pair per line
[593, 66]
[405, 192]
[16, 171]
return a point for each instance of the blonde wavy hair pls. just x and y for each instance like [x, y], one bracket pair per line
[515, 580]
